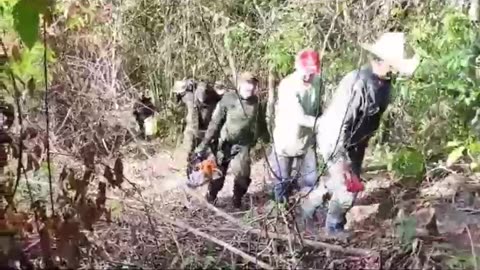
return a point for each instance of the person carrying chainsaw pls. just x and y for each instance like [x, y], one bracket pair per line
[298, 105]
[235, 117]
[350, 120]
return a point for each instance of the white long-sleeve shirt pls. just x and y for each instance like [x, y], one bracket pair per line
[295, 113]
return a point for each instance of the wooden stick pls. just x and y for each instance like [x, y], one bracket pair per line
[317, 244]
[218, 242]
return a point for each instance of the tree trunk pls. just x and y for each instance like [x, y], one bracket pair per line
[474, 10]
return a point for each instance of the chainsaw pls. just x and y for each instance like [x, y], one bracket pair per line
[201, 169]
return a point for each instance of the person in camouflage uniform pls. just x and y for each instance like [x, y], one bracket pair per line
[200, 99]
[235, 117]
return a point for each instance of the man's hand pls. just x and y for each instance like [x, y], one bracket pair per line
[353, 182]
[200, 149]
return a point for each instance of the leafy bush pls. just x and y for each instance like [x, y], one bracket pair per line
[443, 91]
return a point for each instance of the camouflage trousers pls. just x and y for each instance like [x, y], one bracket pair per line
[237, 158]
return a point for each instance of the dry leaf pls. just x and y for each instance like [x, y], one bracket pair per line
[68, 243]
[426, 220]
[37, 151]
[30, 164]
[36, 163]
[88, 155]
[109, 175]
[30, 133]
[81, 190]
[16, 53]
[61, 185]
[3, 156]
[63, 174]
[101, 195]
[31, 87]
[15, 151]
[72, 182]
[108, 215]
[118, 171]
[88, 214]
[87, 175]
[46, 246]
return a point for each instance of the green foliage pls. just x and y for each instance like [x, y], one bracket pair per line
[287, 39]
[462, 261]
[406, 231]
[443, 89]
[25, 63]
[26, 19]
[407, 163]
[459, 149]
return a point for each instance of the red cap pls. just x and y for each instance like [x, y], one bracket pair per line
[308, 60]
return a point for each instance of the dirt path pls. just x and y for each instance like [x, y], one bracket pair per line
[161, 176]
[164, 172]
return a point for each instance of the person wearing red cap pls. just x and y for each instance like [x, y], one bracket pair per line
[298, 105]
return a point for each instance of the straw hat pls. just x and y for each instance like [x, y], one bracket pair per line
[390, 47]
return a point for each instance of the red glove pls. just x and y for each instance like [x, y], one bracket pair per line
[353, 182]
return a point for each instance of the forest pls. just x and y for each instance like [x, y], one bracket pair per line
[81, 190]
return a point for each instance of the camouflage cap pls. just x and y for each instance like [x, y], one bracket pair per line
[181, 86]
[248, 77]
[220, 87]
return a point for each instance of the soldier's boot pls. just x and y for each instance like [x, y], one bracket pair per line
[240, 187]
[213, 188]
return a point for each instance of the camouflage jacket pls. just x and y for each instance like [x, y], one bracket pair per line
[236, 119]
[199, 112]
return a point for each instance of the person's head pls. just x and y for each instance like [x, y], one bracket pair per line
[201, 92]
[247, 85]
[381, 68]
[182, 86]
[220, 88]
[307, 64]
[388, 55]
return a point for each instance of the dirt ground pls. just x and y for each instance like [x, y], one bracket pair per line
[162, 223]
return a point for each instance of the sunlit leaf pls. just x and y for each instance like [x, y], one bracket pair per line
[474, 148]
[408, 163]
[31, 87]
[455, 155]
[406, 230]
[16, 53]
[474, 166]
[453, 143]
[26, 22]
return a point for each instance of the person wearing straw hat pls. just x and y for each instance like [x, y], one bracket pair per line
[298, 104]
[235, 117]
[349, 121]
